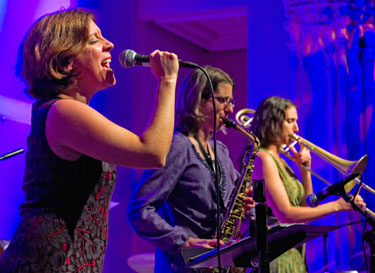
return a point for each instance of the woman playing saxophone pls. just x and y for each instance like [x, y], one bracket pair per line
[174, 207]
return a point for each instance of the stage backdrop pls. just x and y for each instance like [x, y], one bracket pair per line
[320, 54]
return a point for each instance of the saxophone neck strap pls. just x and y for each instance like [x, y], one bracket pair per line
[206, 154]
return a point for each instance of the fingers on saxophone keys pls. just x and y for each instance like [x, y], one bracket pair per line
[249, 202]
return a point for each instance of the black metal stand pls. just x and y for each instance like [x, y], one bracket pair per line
[325, 237]
[261, 226]
[244, 253]
[13, 153]
[369, 235]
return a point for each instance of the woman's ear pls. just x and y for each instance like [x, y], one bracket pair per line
[68, 67]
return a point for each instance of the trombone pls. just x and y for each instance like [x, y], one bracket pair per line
[345, 167]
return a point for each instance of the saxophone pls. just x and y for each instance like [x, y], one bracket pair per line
[230, 228]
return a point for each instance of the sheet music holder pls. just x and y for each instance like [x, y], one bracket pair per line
[244, 252]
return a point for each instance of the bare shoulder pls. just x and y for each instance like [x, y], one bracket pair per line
[69, 108]
[262, 164]
[72, 116]
[265, 157]
[70, 125]
[266, 163]
[74, 128]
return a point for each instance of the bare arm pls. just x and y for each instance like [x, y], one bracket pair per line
[277, 197]
[73, 128]
[303, 158]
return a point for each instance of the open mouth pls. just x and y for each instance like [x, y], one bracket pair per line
[106, 63]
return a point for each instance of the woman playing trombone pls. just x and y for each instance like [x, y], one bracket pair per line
[273, 123]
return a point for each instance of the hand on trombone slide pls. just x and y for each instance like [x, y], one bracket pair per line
[301, 157]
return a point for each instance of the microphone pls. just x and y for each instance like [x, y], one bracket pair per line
[314, 200]
[129, 58]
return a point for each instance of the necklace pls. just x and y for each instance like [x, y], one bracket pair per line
[219, 185]
[208, 152]
[205, 153]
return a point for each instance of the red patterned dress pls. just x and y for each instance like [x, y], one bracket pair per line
[64, 225]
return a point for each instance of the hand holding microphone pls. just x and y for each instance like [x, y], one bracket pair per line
[129, 58]
[164, 65]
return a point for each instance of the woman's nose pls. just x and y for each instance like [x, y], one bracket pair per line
[229, 108]
[108, 45]
[296, 129]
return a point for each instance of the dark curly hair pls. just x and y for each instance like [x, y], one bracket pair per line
[195, 88]
[268, 119]
[47, 50]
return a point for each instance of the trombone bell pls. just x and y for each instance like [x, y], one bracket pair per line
[345, 167]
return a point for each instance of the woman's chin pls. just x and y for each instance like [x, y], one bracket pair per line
[110, 78]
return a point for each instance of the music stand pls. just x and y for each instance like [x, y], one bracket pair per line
[244, 252]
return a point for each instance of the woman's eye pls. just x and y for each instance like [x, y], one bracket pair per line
[93, 41]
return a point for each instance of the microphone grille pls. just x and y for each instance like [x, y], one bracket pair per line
[312, 201]
[127, 58]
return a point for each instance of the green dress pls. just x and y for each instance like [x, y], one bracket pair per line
[293, 260]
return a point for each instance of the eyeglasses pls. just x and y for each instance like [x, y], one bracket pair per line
[226, 101]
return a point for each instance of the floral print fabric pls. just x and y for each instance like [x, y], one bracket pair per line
[64, 225]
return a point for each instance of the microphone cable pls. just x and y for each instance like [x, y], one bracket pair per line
[217, 187]
[129, 58]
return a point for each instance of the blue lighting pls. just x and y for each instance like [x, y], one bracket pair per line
[3, 9]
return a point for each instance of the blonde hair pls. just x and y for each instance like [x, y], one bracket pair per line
[48, 49]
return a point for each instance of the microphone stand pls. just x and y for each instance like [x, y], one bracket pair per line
[261, 226]
[325, 237]
[369, 235]
[13, 153]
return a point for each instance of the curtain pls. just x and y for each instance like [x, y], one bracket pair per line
[333, 44]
